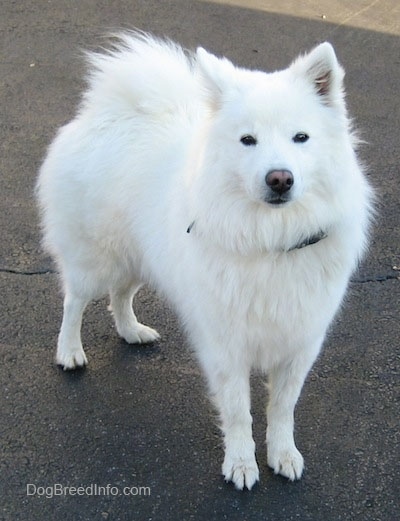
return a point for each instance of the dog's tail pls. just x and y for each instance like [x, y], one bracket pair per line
[140, 73]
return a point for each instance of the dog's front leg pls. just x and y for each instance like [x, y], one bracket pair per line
[285, 383]
[230, 391]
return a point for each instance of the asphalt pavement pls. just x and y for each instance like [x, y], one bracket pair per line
[133, 437]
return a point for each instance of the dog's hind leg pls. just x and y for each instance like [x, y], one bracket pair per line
[70, 353]
[285, 384]
[125, 319]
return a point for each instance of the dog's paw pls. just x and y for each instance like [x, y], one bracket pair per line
[242, 472]
[71, 359]
[140, 334]
[287, 462]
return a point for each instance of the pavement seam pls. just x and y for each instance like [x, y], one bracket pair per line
[27, 272]
[358, 280]
[376, 278]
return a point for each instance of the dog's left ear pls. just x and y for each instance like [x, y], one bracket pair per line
[322, 69]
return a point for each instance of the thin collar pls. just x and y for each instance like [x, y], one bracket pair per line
[313, 239]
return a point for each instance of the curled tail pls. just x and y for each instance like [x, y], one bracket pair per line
[142, 74]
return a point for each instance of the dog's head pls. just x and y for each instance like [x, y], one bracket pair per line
[275, 135]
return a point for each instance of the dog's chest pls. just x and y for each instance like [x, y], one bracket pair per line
[283, 290]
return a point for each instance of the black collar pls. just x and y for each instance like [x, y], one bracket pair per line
[313, 239]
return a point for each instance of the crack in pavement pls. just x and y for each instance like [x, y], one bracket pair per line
[356, 280]
[27, 272]
[376, 278]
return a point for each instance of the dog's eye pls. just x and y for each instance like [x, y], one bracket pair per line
[301, 137]
[248, 140]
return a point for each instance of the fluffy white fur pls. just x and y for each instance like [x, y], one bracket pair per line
[155, 149]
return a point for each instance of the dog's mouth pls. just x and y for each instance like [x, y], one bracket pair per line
[277, 200]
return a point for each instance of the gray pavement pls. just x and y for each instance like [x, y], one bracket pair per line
[139, 417]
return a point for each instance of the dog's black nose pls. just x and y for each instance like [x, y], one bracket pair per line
[279, 181]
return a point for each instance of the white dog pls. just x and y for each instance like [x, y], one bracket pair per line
[235, 193]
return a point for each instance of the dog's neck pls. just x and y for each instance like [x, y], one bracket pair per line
[313, 239]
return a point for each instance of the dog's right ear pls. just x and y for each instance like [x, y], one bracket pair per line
[217, 74]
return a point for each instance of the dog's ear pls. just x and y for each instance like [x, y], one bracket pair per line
[321, 68]
[217, 73]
